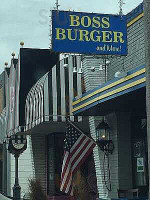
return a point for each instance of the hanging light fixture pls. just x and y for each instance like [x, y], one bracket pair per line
[92, 69]
[74, 70]
[103, 137]
[101, 67]
[65, 61]
[80, 71]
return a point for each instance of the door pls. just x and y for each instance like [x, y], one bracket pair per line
[140, 157]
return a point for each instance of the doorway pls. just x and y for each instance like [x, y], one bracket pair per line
[140, 155]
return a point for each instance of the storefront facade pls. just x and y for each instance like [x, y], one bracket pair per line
[38, 103]
[122, 100]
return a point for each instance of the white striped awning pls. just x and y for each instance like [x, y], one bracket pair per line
[50, 99]
[34, 110]
[3, 125]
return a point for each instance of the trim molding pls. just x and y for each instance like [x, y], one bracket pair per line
[115, 87]
[135, 19]
[110, 86]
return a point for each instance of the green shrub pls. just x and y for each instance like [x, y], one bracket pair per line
[36, 191]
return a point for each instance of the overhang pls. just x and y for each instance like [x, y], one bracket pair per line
[49, 101]
[120, 94]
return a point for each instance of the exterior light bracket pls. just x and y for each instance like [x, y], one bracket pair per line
[103, 137]
[106, 146]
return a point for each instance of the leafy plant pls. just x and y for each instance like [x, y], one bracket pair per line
[36, 191]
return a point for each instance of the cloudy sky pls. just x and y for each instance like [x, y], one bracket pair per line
[28, 21]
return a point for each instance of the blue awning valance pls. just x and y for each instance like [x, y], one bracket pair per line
[134, 80]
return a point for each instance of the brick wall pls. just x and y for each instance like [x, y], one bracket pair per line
[93, 79]
[98, 159]
[39, 158]
[136, 49]
[120, 160]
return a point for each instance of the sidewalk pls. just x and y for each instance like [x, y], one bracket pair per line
[2, 197]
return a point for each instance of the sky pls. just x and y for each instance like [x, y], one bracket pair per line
[28, 21]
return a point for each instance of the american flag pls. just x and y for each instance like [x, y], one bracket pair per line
[77, 148]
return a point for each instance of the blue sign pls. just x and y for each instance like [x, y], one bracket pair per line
[89, 33]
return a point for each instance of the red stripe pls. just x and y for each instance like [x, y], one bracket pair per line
[70, 189]
[63, 177]
[84, 157]
[80, 152]
[67, 180]
[77, 146]
[65, 165]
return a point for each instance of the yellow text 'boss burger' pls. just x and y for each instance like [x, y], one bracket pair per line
[99, 26]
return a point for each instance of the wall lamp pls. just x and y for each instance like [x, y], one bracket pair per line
[101, 66]
[119, 74]
[74, 69]
[92, 69]
[65, 61]
[80, 71]
[102, 137]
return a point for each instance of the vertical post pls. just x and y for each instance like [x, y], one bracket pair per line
[57, 5]
[4, 185]
[120, 7]
[51, 165]
[147, 59]
[105, 70]
[16, 188]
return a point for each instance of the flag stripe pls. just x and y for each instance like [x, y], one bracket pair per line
[66, 169]
[66, 174]
[70, 190]
[81, 155]
[82, 159]
[76, 147]
[80, 150]
[65, 162]
[67, 181]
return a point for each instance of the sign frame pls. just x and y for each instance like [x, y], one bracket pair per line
[89, 33]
